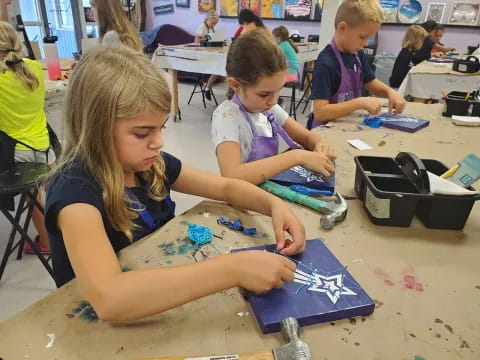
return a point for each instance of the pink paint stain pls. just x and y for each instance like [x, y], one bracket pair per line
[389, 282]
[382, 274]
[410, 283]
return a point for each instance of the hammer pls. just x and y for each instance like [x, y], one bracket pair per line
[295, 349]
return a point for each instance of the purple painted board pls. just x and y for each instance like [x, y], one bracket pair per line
[298, 175]
[329, 294]
[403, 122]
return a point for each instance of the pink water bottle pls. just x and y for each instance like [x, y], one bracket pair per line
[51, 56]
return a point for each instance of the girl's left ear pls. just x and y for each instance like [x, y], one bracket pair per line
[233, 83]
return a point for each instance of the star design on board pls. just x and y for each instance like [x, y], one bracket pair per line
[307, 174]
[331, 285]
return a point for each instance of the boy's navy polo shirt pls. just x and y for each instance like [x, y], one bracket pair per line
[327, 72]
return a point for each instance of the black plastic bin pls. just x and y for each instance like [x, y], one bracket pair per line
[457, 104]
[393, 190]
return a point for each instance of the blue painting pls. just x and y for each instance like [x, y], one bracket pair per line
[410, 11]
[322, 291]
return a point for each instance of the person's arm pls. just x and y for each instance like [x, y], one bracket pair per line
[4, 9]
[395, 100]
[199, 38]
[324, 111]
[310, 140]
[122, 296]
[440, 48]
[259, 171]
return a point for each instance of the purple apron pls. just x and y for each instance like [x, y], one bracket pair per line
[351, 85]
[265, 146]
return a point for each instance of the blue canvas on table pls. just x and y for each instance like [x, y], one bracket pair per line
[298, 175]
[323, 291]
[401, 122]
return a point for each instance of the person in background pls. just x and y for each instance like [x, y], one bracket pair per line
[412, 41]
[289, 50]
[342, 69]
[249, 21]
[114, 26]
[430, 46]
[22, 117]
[205, 28]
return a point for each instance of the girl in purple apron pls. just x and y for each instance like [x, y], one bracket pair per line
[256, 70]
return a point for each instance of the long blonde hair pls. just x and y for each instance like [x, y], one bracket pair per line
[414, 37]
[111, 17]
[111, 83]
[11, 56]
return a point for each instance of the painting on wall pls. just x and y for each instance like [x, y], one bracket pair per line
[206, 5]
[163, 9]
[253, 5]
[228, 7]
[182, 3]
[271, 9]
[298, 9]
[435, 12]
[464, 13]
[390, 8]
[317, 16]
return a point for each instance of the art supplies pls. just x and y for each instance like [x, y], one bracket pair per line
[397, 121]
[466, 120]
[298, 175]
[322, 291]
[466, 172]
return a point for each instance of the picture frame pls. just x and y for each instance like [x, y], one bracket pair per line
[206, 5]
[89, 15]
[182, 3]
[435, 12]
[464, 13]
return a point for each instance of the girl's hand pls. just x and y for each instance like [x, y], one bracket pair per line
[325, 148]
[317, 162]
[261, 271]
[396, 103]
[283, 220]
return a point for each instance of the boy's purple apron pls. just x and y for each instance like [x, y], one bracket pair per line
[351, 85]
[265, 146]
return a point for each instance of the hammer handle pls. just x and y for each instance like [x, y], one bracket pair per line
[259, 355]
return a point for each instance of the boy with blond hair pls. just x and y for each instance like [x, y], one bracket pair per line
[342, 70]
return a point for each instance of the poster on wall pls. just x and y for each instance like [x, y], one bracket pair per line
[206, 5]
[435, 12]
[182, 3]
[271, 9]
[228, 7]
[253, 5]
[318, 10]
[298, 9]
[163, 9]
[390, 8]
[410, 12]
[464, 13]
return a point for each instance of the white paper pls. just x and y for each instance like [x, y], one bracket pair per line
[359, 144]
[440, 185]
[466, 120]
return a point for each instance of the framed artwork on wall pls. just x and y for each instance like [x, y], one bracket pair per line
[182, 3]
[206, 5]
[435, 12]
[271, 9]
[390, 8]
[228, 7]
[253, 5]
[464, 13]
[298, 9]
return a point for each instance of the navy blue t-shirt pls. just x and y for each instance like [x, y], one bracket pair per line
[77, 185]
[425, 51]
[327, 74]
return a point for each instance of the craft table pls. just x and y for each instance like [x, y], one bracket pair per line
[425, 283]
[428, 79]
[207, 60]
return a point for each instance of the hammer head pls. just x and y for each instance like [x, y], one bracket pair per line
[337, 211]
[295, 349]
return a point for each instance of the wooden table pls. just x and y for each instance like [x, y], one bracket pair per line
[207, 60]
[440, 322]
[427, 79]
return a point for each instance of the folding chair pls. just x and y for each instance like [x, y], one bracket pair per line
[21, 179]
[199, 84]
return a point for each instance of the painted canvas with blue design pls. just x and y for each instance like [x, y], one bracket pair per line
[400, 122]
[298, 175]
[322, 291]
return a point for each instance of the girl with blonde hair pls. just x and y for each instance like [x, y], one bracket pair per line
[114, 26]
[412, 42]
[112, 187]
[22, 118]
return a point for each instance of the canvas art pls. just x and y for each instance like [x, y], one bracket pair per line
[298, 175]
[228, 7]
[323, 290]
[182, 3]
[318, 10]
[163, 9]
[206, 5]
[253, 5]
[298, 9]
[271, 9]
[464, 13]
[435, 12]
[390, 8]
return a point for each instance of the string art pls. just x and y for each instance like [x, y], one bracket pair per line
[236, 225]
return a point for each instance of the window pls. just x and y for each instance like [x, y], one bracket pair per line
[63, 14]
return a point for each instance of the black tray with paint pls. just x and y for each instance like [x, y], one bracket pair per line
[394, 190]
